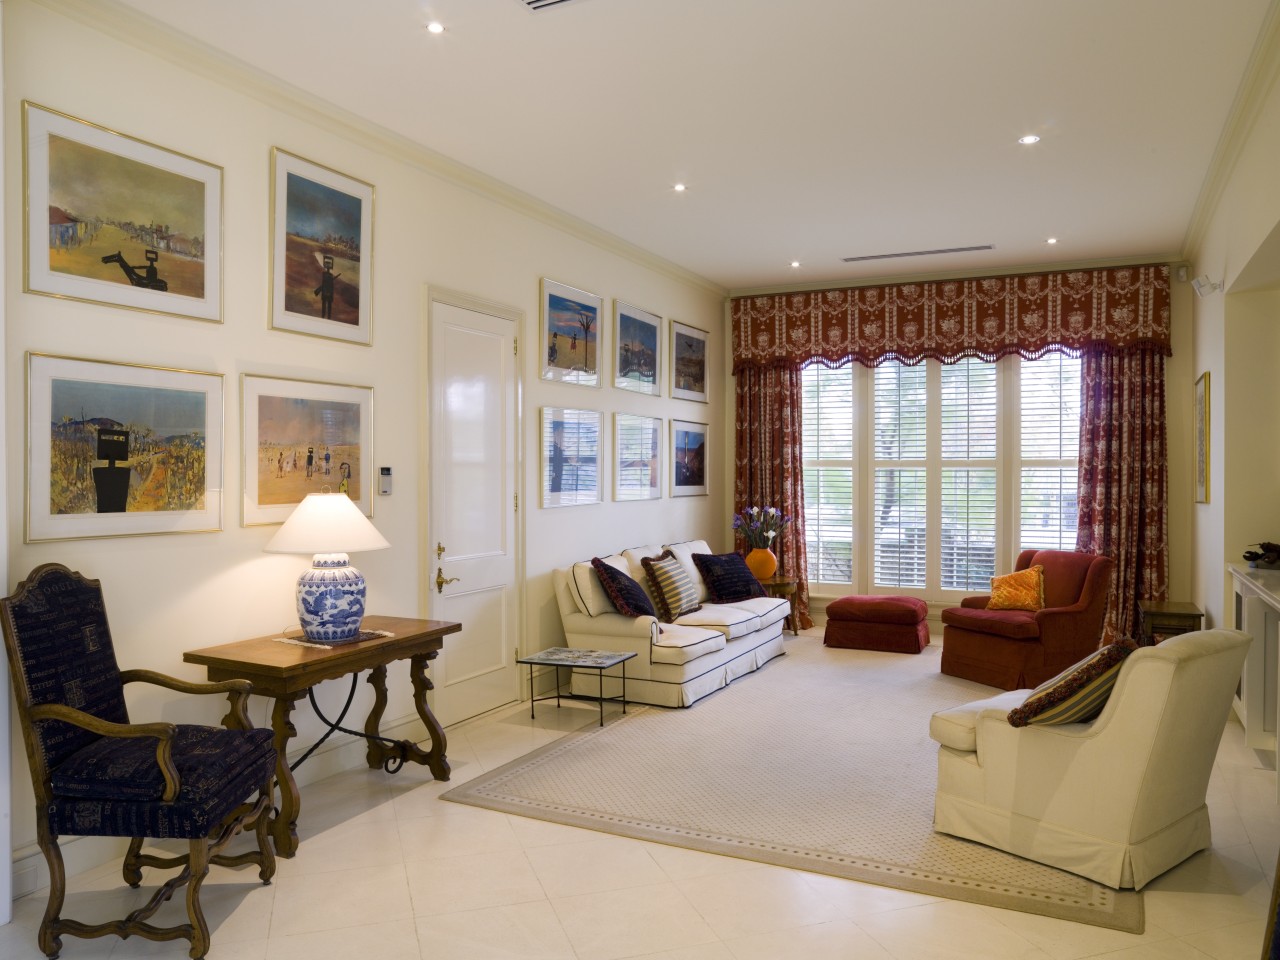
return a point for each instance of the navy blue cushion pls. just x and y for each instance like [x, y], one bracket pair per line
[727, 577]
[627, 595]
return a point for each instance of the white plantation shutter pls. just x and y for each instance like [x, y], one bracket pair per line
[968, 501]
[900, 442]
[828, 472]
[1050, 441]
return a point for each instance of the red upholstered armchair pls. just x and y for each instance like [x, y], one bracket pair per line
[1013, 649]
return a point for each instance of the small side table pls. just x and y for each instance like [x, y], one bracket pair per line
[598, 660]
[1167, 618]
[780, 586]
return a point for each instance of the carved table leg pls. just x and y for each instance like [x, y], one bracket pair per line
[402, 750]
[376, 752]
[435, 759]
[284, 826]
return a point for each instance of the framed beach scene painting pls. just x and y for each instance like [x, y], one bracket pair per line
[688, 362]
[637, 349]
[116, 220]
[321, 250]
[118, 449]
[300, 437]
[570, 334]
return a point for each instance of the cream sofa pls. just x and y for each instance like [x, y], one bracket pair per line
[676, 664]
[1119, 799]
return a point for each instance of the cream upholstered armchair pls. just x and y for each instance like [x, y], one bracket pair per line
[1119, 799]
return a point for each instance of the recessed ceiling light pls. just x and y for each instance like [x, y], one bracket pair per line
[1052, 240]
[795, 263]
[1029, 139]
[679, 188]
[435, 26]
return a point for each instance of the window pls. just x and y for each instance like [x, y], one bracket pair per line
[962, 466]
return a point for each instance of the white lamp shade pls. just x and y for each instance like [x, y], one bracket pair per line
[326, 523]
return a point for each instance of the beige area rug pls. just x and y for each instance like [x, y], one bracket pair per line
[820, 761]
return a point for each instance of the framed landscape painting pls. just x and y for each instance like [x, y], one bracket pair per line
[570, 338]
[115, 220]
[118, 449]
[637, 461]
[302, 437]
[688, 362]
[321, 250]
[570, 457]
[688, 458]
[637, 349]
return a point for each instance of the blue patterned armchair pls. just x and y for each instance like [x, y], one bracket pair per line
[95, 773]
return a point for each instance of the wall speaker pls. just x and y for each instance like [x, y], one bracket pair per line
[1204, 286]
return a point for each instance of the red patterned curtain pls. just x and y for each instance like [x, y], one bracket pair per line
[770, 463]
[1124, 478]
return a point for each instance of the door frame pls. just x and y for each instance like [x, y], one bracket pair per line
[431, 295]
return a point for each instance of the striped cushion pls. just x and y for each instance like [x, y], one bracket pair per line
[672, 587]
[1079, 693]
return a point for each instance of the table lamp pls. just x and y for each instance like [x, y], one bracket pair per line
[331, 593]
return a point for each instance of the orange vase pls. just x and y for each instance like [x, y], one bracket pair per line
[762, 563]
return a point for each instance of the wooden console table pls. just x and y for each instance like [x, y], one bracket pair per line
[287, 671]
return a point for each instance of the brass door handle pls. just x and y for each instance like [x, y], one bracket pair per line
[441, 580]
[439, 550]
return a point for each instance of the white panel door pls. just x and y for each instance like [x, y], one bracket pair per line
[471, 548]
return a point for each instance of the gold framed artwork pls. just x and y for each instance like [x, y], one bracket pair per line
[116, 220]
[688, 362]
[300, 437]
[637, 349]
[321, 250]
[121, 449]
[570, 334]
[1201, 433]
[637, 460]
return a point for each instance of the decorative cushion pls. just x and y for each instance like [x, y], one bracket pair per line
[684, 552]
[586, 589]
[628, 596]
[727, 577]
[1023, 590]
[671, 585]
[1079, 693]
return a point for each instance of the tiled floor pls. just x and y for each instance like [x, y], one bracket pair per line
[387, 870]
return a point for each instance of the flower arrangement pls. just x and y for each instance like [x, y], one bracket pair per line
[760, 526]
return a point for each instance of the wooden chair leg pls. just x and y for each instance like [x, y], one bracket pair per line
[198, 863]
[49, 939]
[132, 869]
[262, 832]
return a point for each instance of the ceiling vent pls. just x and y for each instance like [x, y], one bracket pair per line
[919, 253]
[536, 5]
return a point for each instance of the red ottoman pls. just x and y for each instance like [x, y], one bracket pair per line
[891, 624]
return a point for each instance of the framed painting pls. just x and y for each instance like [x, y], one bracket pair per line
[637, 349]
[688, 458]
[570, 337]
[637, 458]
[1201, 434]
[121, 449]
[688, 362]
[115, 220]
[321, 251]
[300, 437]
[570, 457]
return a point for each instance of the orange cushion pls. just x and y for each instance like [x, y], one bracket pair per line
[1023, 590]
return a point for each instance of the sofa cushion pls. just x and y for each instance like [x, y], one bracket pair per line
[673, 591]
[1021, 590]
[681, 644]
[684, 552]
[769, 610]
[956, 727]
[626, 594]
[588, 592]
[1079, 693]
[1013, 624]
[731, 621]
[727, 577]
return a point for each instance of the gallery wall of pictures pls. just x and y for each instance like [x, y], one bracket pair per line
[649, 356]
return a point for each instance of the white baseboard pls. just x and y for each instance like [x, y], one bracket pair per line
[79, 854]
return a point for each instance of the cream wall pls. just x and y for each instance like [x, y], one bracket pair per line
[434, 224]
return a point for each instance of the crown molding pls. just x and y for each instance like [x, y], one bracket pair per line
[1256, 84]
[1173, 259]
[127, 25]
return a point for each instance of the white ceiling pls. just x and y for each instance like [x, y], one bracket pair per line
[807, 130]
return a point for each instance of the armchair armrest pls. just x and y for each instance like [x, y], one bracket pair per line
[163, 732]
[237, 692]
[976, 603]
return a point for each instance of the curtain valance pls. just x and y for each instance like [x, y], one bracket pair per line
[1119, 308]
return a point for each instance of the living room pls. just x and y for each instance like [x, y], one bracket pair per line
[442, 228]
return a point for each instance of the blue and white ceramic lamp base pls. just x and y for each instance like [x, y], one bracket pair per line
[331, 599]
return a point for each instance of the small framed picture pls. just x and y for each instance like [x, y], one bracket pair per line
[570, 334]
[115, 220]
[302, 437]
[570, 457]
[688, 458]
[120, 449]
[688, 362]
[321, 251]
[1201, 428]
[637, 349]
[637, 461]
